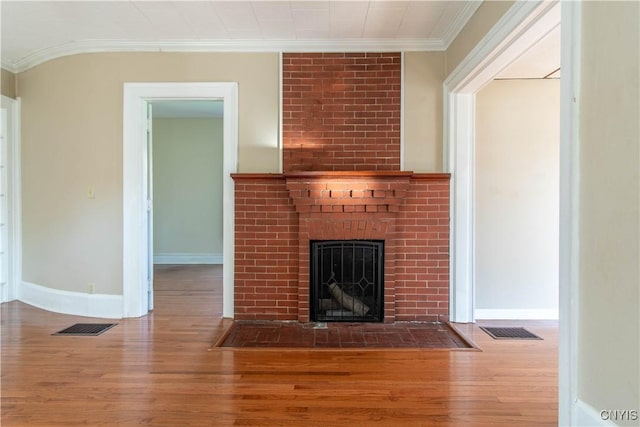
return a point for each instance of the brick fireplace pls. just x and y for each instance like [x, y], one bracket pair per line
[341, 181]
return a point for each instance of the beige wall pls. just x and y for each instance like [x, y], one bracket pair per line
[423, 78]
[187, 186]
[72, 138]
[609, 257]
[478, 26]
[8, 84]
[517, 176]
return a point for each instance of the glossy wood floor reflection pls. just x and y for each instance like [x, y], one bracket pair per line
[161, 370]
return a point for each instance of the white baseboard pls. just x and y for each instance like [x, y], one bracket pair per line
[587, 416]
[186, 258]
[75, 303]
[516, 314]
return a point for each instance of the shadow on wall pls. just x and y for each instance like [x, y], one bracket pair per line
[259, 158]
[330, 157]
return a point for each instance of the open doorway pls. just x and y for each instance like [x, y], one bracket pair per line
[137, 186]
[186, 167]
[524, 26]
[517, 149]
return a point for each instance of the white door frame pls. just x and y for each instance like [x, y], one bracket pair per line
[569, 408]
[134, 169]
[10, 291]
[524, 24]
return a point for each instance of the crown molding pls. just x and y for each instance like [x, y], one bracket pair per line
[459, 23]
[103, 46]
[8, 66]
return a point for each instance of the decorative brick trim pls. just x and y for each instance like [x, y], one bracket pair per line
[352, 193]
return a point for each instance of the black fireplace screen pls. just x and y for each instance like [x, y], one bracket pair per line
[347, 281]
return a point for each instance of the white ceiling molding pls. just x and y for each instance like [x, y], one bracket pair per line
[458, 24]
[39, 31]
[102, 46]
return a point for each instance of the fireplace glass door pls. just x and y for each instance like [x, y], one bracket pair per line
[347, 281]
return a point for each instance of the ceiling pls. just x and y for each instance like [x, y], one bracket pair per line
[36, 31]
[541, 61]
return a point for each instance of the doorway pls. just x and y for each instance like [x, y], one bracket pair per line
[187, 181]
[523, 27]
[500, 47]
[186, 153]
[137, 188]
[517, 147]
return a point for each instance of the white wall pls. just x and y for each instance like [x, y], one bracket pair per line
[517, 186]
[187, 184]
[608, 299]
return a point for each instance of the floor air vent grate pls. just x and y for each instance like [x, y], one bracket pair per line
[86, 329]
[510, 333]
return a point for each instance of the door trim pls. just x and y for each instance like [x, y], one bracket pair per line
[135, 254]
[14, 199]
[570, 409]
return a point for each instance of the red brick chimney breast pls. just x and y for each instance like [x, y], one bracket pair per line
[341, 111]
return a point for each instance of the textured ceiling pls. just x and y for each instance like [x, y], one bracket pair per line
[34, 32]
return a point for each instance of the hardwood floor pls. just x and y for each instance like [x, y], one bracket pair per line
[161, 370]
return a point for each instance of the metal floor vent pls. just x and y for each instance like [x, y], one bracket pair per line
[510, 333]
[86, 329]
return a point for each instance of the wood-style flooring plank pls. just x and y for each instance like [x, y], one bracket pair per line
[161, 370]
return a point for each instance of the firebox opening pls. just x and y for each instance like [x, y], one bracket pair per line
[347, 281]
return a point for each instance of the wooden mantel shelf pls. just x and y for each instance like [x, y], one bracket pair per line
[317, 175]
[348, 174]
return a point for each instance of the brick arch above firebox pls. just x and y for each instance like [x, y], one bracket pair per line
[347, 228]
